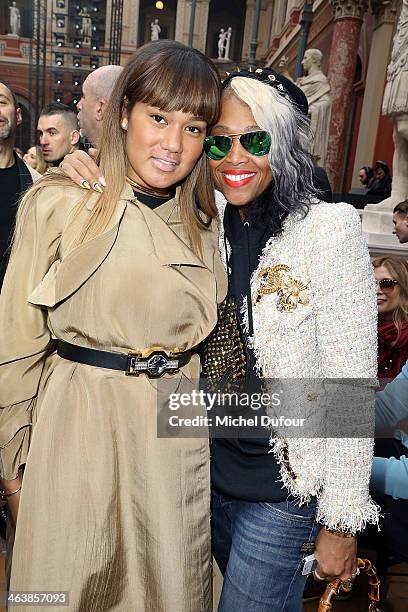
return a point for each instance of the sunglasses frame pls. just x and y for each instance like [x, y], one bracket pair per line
[391, 283]
[239, 136]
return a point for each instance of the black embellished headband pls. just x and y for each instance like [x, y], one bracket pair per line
[283, 85]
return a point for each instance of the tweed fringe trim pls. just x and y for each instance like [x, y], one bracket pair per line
[301, 491]
[352, 518]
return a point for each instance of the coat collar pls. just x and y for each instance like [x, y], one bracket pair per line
[166, 231]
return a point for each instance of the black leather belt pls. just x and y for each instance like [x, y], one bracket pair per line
[154, 362]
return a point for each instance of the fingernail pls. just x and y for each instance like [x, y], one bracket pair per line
[97, 187]
[84, 184]
[102, 181]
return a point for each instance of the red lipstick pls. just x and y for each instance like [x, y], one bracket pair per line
[237, 178]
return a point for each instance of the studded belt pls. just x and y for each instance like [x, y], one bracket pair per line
[153, 362]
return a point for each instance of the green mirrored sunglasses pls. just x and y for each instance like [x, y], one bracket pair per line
[256, 143]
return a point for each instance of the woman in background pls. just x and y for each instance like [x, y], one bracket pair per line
[391, 274]
[30, 157]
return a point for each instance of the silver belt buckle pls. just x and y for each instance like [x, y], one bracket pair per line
[155, 365]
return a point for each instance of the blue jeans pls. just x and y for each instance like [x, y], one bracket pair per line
[257, 548]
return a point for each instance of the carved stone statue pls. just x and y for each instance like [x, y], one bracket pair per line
[227, 43]
[395, 106]
[221, 42]
[283, 67]
[86, 27]
[15, 19]
[155, 30]
[377, 218]
[316, 88]
[224, 41]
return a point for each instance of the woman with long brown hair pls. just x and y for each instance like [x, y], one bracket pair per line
[105, 299]
[391, 274]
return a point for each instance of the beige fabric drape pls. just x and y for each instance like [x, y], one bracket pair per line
[109, 512]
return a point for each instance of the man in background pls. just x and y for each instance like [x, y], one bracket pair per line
[58, 132]
[96, 91]
[15, 176]
[400, 221]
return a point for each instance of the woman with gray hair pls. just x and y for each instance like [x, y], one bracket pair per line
[300, 276]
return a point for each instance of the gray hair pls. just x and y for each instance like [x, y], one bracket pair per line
[289, 157]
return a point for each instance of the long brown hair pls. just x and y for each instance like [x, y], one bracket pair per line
[171, 76]
[398, 269]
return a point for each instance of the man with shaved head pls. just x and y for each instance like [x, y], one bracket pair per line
[58, 132]
[15, 175]
[96, 91]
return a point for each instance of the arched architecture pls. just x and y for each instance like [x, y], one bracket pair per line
[355, 37]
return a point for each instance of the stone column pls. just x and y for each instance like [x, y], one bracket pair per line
[108, 22]
[249, 22]
[200, 23]
[385, 17]
[269, 20]
[131, 23]
[348, 18]
[203, 9]
[279, 15]
[134, 22]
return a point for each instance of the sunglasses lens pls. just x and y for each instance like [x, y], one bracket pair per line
[256, 143]
[217, 147]
[387, 284]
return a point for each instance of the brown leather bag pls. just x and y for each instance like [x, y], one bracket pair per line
[335, 586]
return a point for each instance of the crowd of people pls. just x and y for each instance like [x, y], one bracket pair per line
[376, 180]
[125, 269]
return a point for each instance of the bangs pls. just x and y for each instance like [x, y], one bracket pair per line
[181, 83]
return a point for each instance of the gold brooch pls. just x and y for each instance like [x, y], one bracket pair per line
[271, 280]
[291, 291]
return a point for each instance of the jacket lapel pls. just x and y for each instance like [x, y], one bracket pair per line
[66, 276]
[168, 235]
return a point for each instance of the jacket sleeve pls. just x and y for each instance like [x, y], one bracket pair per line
[25, 337]
[390, 476]
[346, 332]
[391, 404]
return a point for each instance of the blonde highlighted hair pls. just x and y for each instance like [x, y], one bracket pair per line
[398, 269]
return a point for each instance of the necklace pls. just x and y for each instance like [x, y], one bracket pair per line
[148, 191]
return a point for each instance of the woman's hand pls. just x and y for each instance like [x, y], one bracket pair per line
[335, 555]
[81, 168]
[12, 486]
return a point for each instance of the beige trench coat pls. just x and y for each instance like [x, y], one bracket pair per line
[109, 512]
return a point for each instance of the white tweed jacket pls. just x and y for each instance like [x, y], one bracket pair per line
[315, 317]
